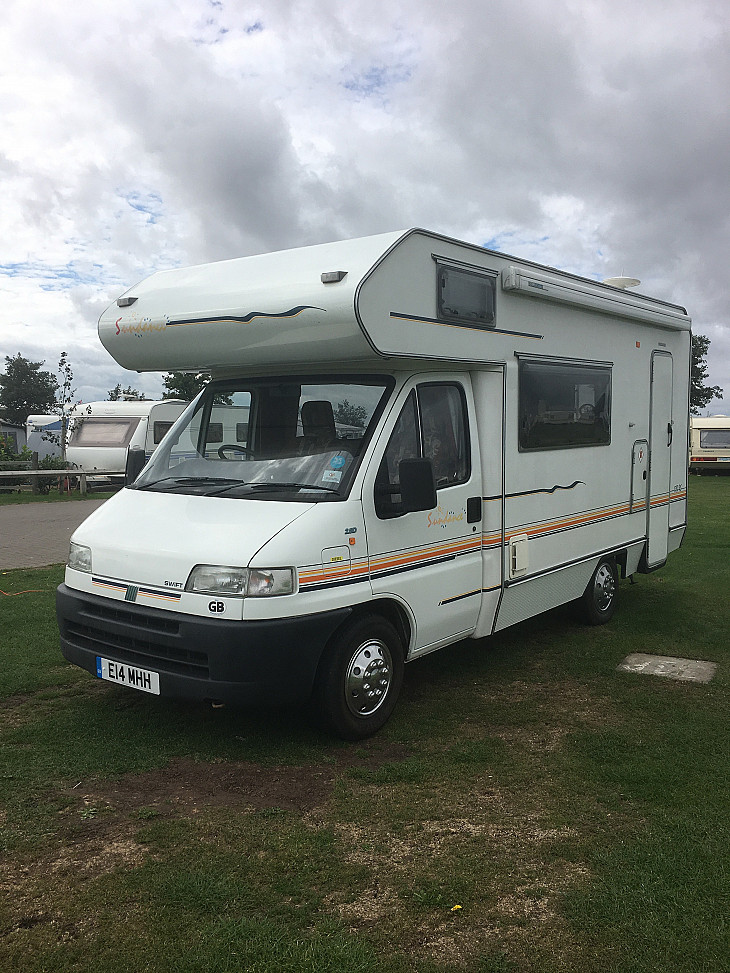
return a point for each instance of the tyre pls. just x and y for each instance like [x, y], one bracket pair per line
[598, 602]
[359, 679]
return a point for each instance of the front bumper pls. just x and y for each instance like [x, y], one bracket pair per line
[242, 662]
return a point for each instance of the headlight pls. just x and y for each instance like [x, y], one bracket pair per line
[220, 579]
[270, 581]
[79, 557]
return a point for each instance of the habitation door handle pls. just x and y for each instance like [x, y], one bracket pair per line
[669, 434]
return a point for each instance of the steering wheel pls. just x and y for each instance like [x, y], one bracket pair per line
[587, 410]
[234, 448]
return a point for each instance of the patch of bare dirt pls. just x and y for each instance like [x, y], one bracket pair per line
[186, 786]
[96, 837]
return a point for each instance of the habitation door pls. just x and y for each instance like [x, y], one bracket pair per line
[660, 452]
[429, 560]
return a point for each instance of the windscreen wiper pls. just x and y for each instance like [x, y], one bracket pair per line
[268, 485]
[188, 481]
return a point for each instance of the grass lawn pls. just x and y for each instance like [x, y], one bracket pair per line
[527, 808]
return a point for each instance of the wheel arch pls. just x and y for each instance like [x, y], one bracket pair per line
[391, 610]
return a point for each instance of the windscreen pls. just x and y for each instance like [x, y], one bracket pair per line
[298, 439]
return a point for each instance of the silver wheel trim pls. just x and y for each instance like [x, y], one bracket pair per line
[604, 588]
[368, 678]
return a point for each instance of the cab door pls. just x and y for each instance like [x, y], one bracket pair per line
[429, 561]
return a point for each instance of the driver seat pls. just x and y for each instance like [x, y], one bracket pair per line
[318, 425]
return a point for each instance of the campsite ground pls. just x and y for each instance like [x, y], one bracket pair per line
[527, 808]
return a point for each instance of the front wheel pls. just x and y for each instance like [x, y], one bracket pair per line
[359, 678]
[598, 602]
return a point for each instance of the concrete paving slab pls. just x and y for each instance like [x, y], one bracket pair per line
[686, 670]
[33, 535]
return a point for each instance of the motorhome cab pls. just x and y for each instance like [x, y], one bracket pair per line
[406, 441]
[709, 444]
[104, 432]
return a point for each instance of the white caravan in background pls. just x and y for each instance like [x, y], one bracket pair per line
[104, 432]
[440, 441]
[709, 444]
[43, 435]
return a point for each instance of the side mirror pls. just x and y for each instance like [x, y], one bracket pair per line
[417, 485]
[135, 463]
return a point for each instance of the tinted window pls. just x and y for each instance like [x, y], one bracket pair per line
[159, 429]
[466, 297]
[563, 405]
[215, 433]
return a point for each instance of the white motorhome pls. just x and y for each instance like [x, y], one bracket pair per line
[709, 444]
[522, 443]
[43, 435]
[104, 432]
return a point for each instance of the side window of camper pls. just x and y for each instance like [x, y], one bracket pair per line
[159, 430]
[466, 296]
[215, 433]
[715, 438]
[432, 425]
[563, 404]
[103, 431]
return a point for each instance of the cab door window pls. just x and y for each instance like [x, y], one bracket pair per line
[432, 425]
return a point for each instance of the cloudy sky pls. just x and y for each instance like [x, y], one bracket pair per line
[591, 135]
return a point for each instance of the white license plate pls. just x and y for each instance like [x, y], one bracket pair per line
[125, 675]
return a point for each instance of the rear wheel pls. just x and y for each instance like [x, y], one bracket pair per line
[599, 599]
[359, 678]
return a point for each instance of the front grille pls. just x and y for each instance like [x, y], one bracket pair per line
[153, 623]
[139, 638]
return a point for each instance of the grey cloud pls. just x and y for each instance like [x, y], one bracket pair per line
[593, 136]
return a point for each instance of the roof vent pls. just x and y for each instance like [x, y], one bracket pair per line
[622, 282]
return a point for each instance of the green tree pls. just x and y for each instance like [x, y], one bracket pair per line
[183, 385]
[63, 405]
[700, 394]
[65, 398]
[25, 389]
[118, 394]
[350, 415]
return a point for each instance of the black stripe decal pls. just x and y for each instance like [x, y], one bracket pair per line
[225, 318]
[461, 324]
[467, 594]
[530, 493]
